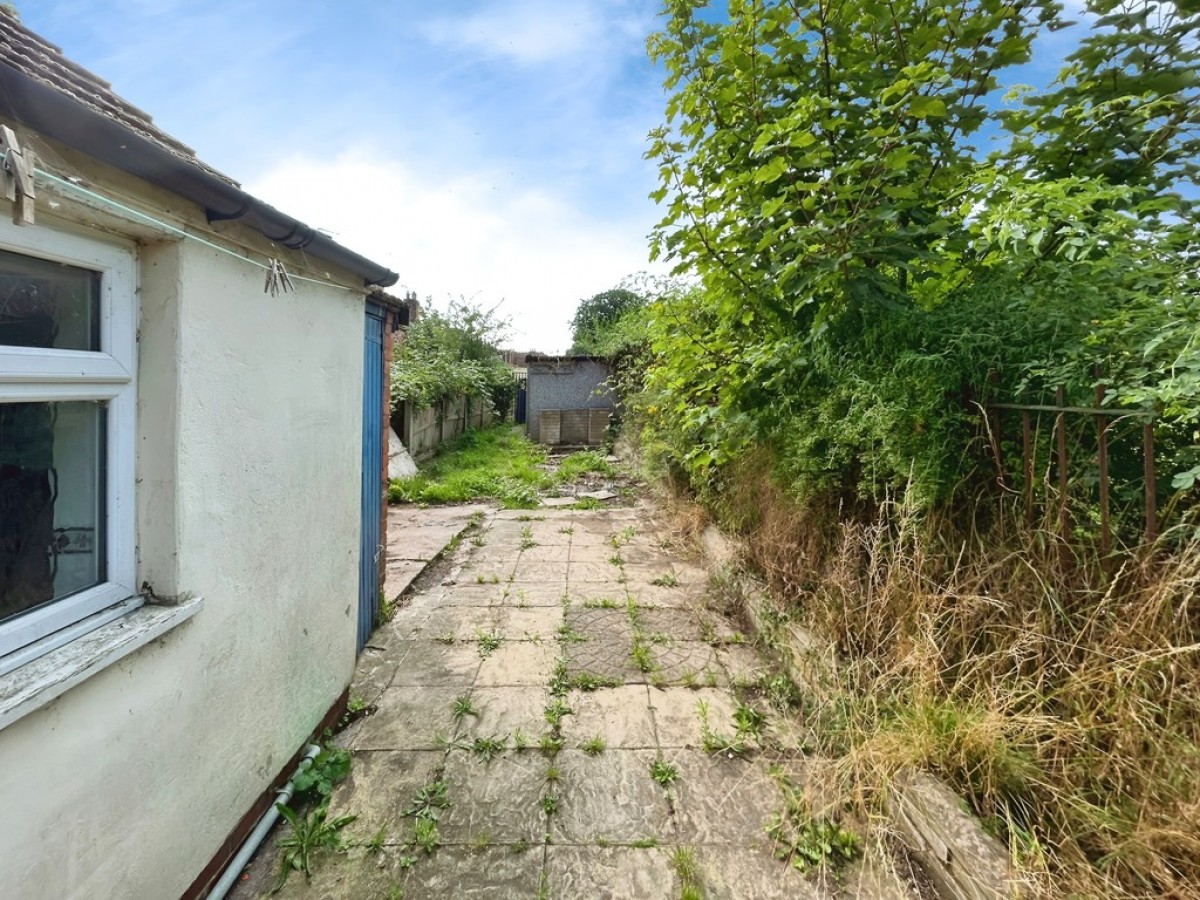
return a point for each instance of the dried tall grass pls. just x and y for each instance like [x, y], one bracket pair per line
[1062, 700]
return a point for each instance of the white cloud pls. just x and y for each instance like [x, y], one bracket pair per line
[476, 236]
[532, 32]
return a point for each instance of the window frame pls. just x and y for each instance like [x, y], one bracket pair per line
[32, 374]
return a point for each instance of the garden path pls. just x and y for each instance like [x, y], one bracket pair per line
[553, 678]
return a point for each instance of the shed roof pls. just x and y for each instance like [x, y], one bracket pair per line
[43, 90]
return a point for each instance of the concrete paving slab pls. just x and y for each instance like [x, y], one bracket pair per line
[742, 663]
[530, 595]
[402, 515]
[609, 873]
[511, 515]
[492, 551]
[518, 663]
[620, 716]
[380, 787]
[491, 571]
[542, 573]
[462, 623]
[678, 597]
[681, 624]
[373, 673]
[719, 629]
[682, 663]
[685, 574]
[405, 624]
[471, 592]
[550, 533]
[606, 803]
[399, 576]
[605, 660]
[601, 626]
[643, 557]
[583, 552]
[349, 876]
[604, 524]
[723, 801]
[433, 664]
[509, 531]
[673, 574]
[602, 572]
[464, 873]
[423, 543]
[505, 710]
[609, 797]
[499, 801]
[591, 596]
[410, 718]
[741, 873]
[542, 553]
[676, 712]
[539, 623]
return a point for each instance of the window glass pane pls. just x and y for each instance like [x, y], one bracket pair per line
[51, 502]
[48, 304]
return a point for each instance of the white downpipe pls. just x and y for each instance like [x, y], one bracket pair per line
[234, 869]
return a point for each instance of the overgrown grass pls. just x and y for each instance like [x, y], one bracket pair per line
[585, 462]
[496, 463]
[1060, 697]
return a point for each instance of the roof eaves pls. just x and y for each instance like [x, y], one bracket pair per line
[41, 89]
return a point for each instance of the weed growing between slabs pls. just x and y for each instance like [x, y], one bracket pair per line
[593, 746]
[687, 868]
[489, 642]
[463, 707]
[313, 833]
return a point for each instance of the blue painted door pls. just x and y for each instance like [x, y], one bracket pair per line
[372, 475]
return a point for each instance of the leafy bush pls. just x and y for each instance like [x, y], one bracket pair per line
[454, 354]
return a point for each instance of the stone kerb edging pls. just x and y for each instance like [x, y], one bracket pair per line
[962, 860]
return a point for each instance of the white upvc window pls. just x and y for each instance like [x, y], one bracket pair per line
[68, 319]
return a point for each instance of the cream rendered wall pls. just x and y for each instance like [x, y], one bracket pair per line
[249, 429]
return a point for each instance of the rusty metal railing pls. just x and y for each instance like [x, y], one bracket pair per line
[1105, 417]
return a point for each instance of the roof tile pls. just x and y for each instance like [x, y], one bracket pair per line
[27, 52]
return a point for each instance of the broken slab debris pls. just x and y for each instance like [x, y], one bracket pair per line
[600, 495]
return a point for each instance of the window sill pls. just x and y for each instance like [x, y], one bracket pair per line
[36, 683]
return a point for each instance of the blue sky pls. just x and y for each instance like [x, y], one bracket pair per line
[490, 149]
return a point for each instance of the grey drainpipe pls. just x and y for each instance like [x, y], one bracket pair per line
[56, 115]
[230, 876]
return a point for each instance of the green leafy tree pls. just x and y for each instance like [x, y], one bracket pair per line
[862, 269]
[1126, 108]
[598, 317]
